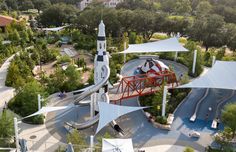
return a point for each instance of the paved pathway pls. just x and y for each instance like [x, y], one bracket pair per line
[6, 93]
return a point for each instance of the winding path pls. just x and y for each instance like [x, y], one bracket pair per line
[6, 93]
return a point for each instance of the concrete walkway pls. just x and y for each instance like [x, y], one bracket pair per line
[6, 93]
[165, 148]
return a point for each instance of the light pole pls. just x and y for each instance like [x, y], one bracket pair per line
[194, 61]
[16, 134]
[164, 101]
[213, 61]
[124, 53]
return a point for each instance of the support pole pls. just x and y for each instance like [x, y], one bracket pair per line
[16, 134]
[213, 60]
[176, 55]
[91, 143]
[39, 102]
[92, 105]
[124, 53]
[194, 61]
[164, 101]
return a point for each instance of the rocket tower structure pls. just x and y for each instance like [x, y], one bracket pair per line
[101, 59]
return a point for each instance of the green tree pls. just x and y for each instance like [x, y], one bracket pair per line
[26, 101]
[223, 139]
[203, 8]
[73, 78]
[6, 127]
[183, 7]
[41, 4]
[229, 117]
[77, 140]
[208, 30]
[25, 5]
[57, 15]
[15, 36]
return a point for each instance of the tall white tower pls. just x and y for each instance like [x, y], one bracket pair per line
[101, 59]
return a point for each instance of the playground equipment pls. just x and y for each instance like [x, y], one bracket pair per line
[153, 66]
[220, 104]
[143, 84]
[194, 116]
[154, 75]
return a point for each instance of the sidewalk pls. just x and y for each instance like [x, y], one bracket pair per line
[165, 148]
[6, 93]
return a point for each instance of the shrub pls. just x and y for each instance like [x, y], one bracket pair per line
[161, 120]
[26, 102]
[188, 149]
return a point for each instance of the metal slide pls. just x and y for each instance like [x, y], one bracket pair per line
[218, 108]
[194, 116]
[86, 93]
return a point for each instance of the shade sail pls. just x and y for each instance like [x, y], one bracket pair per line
[44, 110]
[117, 145]
[221, 76]
[54, 29]
[167, 45]
[109, 112]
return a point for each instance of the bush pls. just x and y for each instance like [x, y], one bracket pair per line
[63, 59]
[188, 149]
[26, 102]
[161, 120]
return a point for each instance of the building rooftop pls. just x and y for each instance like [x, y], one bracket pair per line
[6, 20]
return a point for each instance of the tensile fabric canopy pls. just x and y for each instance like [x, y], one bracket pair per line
[117, 145]
[167, 45]
[221, 76]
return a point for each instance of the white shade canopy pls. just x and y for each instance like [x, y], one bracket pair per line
[167, 45]
[117, 145]
[221, 76]
[54, 29]
[109, 112]
[44, 110]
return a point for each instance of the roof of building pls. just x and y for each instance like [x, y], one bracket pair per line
[5, 20]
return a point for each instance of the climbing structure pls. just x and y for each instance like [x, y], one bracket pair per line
[143, 84]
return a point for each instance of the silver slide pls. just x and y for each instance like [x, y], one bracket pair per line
[194, 116]
[85, 94]
[95, 88]
[218, 108]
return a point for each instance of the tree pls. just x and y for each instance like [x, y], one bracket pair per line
[12, 4]
[6, 127]
[77, 140]
[26, 101]
[57, 15]
[144, 23]
[203, 8]
[14, 37]
[73, 78]
[229, 117]
[229, 35]
[167, 5]
[183, 7]
[25, 5]
[41, 4]
[208, 30]
[223, 139]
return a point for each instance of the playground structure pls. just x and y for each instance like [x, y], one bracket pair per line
[156, 75]
[143, 84]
